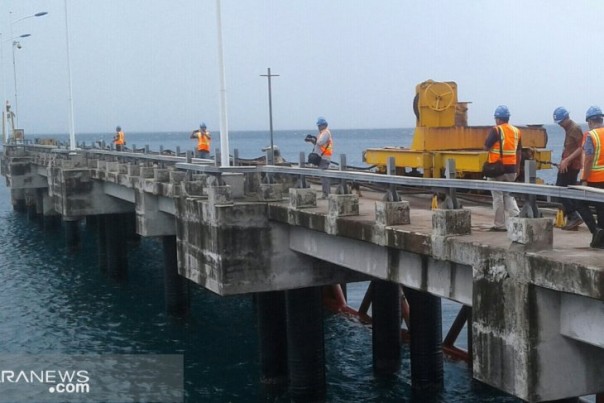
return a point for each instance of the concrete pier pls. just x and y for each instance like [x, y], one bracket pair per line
[536, 293]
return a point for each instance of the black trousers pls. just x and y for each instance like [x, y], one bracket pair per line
[564, 179]
[583, 208]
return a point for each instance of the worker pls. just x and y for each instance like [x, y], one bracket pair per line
[119, 140]
[203, 141]
[570, 164]
[510, 153]
[324, 147]
[593, 174]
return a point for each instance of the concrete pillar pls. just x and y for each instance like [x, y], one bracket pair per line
[116, 241]
[386, 319]
[272, 336]
[426, 352]
[305, 345]
[72, 232]
[18, 200]
[176, 290]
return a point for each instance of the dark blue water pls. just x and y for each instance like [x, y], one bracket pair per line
[56, 301]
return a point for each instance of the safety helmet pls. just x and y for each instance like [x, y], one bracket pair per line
[321, 121]
[592, 112]
[118, 129]
[202, 125]
[502, 112]
[560, 113]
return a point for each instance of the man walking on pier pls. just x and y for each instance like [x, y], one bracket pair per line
[119, 140]
[570, 164]
[203, 141]
[503, 142]
[593, 173]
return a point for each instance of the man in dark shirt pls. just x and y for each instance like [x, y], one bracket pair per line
[570, 164]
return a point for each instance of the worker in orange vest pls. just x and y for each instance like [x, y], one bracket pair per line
[324, 147]
[119, 140]
[203, 141]
[503, 142]
[593, 174]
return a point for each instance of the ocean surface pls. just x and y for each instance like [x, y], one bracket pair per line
[54, 300]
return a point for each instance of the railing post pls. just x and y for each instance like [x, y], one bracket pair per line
[343, 184]
[302, 178]
[450, 173]
[391, 170]
[530, 210]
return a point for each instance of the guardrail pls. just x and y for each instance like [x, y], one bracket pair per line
[209, 167]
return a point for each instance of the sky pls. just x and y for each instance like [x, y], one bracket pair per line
[152, 65]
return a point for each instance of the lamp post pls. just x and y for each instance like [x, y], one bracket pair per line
[270, 111]
[17, 44]
[72, 143]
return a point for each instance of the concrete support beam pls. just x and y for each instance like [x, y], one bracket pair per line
[233, 249]
[150, 221]
[75, 193]
[116, 242]
[386, 329]
[272, 339]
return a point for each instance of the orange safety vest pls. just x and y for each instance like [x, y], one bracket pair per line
[327, 148]
[119, 138]
[597, 168]
[511, 138]
[203, 141]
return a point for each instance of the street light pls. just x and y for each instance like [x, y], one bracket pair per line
[17, 44]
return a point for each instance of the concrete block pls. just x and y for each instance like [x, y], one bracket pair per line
[101, 165]
[147, 172]
[270, 192]
[220, 195]
[194, 188]
[343, 205]
[133, 170]
[112, 166]
[92, 163]
[123, 169]
[302, 198]
[161, 175]
[236, 181]
[451, 222]
[532, 233]
[392, 213]
[177, 176]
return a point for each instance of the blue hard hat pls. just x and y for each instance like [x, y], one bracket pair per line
[321, 121]
[502, 112]
[202, 126]
[592, 112]
[560, 113]
[118, 129]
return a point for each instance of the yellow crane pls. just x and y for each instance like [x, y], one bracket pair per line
[442, 133]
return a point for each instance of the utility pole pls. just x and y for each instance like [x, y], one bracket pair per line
[270, 112]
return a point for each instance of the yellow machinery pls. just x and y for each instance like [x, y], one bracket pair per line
[442, 133]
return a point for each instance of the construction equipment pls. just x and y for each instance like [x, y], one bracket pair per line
[442, 133]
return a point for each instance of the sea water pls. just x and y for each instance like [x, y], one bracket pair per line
[54, 300]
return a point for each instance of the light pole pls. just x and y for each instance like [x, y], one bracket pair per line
[270, 111]
[72, 143]
[17, 44]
